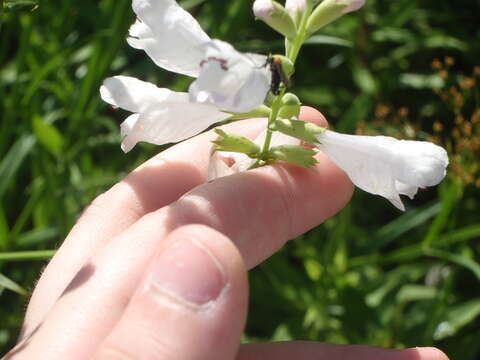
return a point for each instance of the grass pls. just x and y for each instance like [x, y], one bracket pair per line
[370, 275]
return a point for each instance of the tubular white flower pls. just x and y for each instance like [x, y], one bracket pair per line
[230, 80]
[169, 35]
[160, 116]
[386, 166]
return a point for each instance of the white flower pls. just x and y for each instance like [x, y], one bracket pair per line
[386, 166]
[160, 115]
[353, 5]
[227, 80]
[230, 80]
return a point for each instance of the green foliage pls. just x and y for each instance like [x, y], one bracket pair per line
[370, 274]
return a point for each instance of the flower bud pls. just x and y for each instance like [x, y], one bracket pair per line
[276, 16]
[330, 10]
[296, 8]
[290, 106]
[352, 5]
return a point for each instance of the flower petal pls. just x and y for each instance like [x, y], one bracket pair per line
[132, 94]
[169, 35]
[230, 80]
[405, 189]
[420, 162]
[162, 116]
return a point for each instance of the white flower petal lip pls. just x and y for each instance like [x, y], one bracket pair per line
[161, 116]
[169, 35]
[230, 80]
[386, 166]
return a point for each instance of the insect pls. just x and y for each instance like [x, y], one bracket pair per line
[278, 75]
[222, 62]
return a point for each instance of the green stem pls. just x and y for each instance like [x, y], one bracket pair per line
[291, 51]
[26, 255]
[273, 116]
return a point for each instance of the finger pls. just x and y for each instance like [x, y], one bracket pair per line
[94, 303]
[258, 210]
[191, 305]
[156, 183]
[153, 185]
[310, 114]
[322, 351]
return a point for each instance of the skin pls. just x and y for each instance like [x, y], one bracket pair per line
[156, 267]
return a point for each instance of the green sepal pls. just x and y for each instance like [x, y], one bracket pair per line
[235, 143]
[299, 129]
[260, 112]
[294, 154]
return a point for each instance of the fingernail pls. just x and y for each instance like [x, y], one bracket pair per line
[188, 272]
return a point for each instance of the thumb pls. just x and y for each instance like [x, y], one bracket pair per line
[190, 305]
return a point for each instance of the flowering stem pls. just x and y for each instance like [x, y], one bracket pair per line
[291, 51]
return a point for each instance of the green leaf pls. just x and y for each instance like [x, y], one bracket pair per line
[9, 284]
[20, 5]
[328, 40]
[48, 136]
[294, 154]
[460, 260]
[365, 80]
[4, 230]
[420, 81]
[413, 292]
[12, 161]
[36, 236]
[26, 255]
[235, 143]
[457, 317]
[404, 223]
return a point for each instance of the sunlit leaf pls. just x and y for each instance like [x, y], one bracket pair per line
[9, 284]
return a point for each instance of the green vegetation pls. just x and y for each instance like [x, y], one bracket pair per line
[371, 274]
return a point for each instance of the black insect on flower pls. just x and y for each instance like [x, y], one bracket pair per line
[278, 75]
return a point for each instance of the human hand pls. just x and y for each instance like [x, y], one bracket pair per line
[156, 267]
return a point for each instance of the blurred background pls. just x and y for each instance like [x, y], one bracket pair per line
[371, 274]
